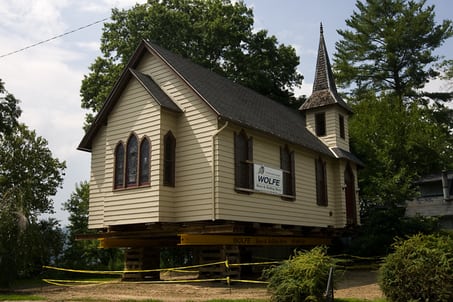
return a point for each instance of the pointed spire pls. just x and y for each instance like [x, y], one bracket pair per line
[324, 88]
[323, 76]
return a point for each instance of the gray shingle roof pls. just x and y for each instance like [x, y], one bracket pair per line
[324, 89]
[242, 105]
[150, 86]
[230, 101]
[153, 89]
[341, 153]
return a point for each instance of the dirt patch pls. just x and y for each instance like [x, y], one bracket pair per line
[355, 284]
[358, 284]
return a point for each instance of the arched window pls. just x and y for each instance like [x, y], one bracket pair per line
[169, 159]
[144, 162]
[321, 183]
[243, 161]
[287, 166]
[131, 161]
[119, 166]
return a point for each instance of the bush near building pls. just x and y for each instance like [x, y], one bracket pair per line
[420, 269]
[301, 278]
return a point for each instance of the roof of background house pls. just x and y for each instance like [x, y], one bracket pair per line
[324, 89]
[434, 177]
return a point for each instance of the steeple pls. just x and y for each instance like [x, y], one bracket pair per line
[324, 88]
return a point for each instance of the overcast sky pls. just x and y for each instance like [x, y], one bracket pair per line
[47, 78]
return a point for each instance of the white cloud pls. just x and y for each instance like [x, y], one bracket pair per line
[90, 46]
[33, 20]
[106, 5]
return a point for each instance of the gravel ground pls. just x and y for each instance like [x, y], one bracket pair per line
[355, 284]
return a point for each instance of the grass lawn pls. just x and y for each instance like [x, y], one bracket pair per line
[20, 297]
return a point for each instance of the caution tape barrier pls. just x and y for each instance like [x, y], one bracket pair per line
[182, 269]
[130, 271]
[185, 269]
[228, 280]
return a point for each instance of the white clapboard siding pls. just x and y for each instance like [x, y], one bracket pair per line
[135, 112]
[332, 137]
[166, 201]
[191, 199]
[259, 207]
[97, 181]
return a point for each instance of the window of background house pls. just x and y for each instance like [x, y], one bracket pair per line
[169, 159]
[341, 121]
[119, 166]
[287, 165]
[144, 162]
[131, 161]
[320, 124]
[243, 161]
[321, 182]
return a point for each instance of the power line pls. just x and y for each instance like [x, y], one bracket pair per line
[53, 38]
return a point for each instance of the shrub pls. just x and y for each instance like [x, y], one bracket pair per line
[301, 278]
[420, 269]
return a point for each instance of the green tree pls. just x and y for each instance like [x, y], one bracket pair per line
[217, 34]
[389, 46]
[9, 111]
[398, 145]
[30, 176]
[85, 253]
[386, 56]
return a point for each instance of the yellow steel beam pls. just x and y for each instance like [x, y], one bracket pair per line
[195, 239]
[123, 242]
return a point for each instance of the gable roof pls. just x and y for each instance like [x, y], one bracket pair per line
[150, 86]
[324, 89]
[230, 101]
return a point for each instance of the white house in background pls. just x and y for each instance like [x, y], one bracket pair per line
[435, 200]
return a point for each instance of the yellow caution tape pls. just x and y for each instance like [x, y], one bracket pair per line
[183, 269]
[83, 271]
[177, 270]
[73, 282]
[129, 271]
[346, 256]
[256, 263]
[250, 281]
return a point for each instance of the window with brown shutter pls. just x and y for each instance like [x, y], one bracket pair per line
[243, 159]
[321, 182]
[169, 159]
[287, 166]
[341, 121]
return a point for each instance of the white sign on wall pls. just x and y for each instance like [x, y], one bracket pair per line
[268, 180]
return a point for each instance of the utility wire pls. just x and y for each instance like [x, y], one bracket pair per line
[53, 38]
